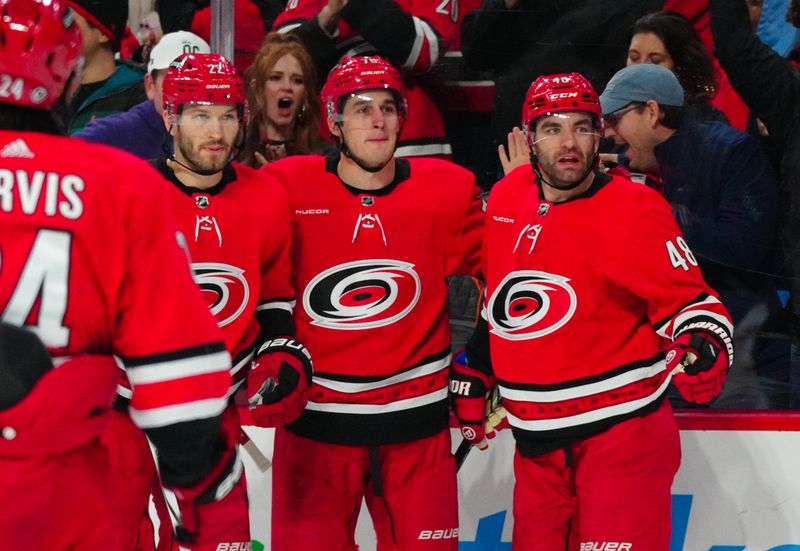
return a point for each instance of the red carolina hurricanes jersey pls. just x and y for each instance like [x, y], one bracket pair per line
[90, 261]
[411, 34]
[238, 237]
[458, 87]
[371, 269]
[581, 296]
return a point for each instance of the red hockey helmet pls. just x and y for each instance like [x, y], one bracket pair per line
[557, 94]
[361, 73]
[40, 52]
[205, 79]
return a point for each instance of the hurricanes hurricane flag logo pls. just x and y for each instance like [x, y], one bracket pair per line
[529, 304]
[363, 294]
[225, 289]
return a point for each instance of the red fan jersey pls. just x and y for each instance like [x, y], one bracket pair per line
[238, 238]
[458, 87]
[581, 296]
[90, 261]
[411, 34]
[372, 269]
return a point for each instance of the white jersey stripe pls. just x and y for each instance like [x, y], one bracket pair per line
[243, 362]
[179, 369]
[423, 150]
[289, 27]
[606, 385]
[433, 42]
[589, 416]
[168, 415]
[416, 48]
[371, 409]
[690, 311]
[352, 388]
[277, 305]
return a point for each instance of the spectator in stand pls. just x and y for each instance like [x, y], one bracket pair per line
[726, 99]
[107, 86]
[520, 40]
[465, 97]
[771, 87]
[252, 20]
[141, 130]
[669, 39]
[410, 35]
[722, 189]
[284, 111]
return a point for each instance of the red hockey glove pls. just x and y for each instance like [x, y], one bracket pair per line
[214, 512]
[278, 382]
[468, 390]
[705, 364]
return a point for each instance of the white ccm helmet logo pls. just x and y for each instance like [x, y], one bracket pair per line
[529, 304]
[362, 295]
[225, 289]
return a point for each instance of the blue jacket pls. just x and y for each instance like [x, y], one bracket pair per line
[723, 191]
[139, 131]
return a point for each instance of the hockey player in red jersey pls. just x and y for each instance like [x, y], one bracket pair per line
[237, 225]
[588, 282]
[236, 222]
[92, 263]
[374, 240]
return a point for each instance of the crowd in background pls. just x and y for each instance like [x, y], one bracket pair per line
[727, 161]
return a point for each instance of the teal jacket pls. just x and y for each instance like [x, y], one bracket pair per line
[123, 90]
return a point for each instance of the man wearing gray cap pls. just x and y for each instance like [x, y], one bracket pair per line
[141, 130]
[719, 182]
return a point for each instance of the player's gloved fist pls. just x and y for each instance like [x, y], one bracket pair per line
[214, 511]
[278, 382]
[705, 363]
[468, 390]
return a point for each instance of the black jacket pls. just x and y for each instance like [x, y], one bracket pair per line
[544, 37]
[770, 86]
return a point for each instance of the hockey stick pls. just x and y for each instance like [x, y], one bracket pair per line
[262, 461]
[462, 452]
[495, 413]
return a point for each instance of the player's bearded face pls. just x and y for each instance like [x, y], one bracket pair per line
[370, 126]
[565, 145]
[206, 134]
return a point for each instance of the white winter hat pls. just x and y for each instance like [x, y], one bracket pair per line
[174, 45]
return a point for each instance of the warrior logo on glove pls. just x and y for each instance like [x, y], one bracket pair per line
[700, 361]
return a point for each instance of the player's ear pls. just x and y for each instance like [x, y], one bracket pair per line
[333, 128]
[168, 122]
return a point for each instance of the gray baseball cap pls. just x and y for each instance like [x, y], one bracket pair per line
[640, 83]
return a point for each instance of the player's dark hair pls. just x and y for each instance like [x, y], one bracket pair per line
[28, 119]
